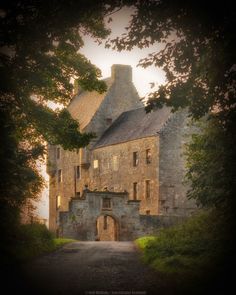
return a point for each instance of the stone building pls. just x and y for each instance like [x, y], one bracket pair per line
[135, 154]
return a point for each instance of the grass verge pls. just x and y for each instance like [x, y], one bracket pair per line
[33, 240]
[194, 253]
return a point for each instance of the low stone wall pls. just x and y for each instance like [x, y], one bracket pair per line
[80, 222]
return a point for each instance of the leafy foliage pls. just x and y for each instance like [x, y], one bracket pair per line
[198, 56]
[192, 253]
[39, 57]
[31, 241]
[211, 165]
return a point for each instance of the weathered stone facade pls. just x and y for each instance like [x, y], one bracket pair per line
[86, 217]
[172, 138]
[135, 153]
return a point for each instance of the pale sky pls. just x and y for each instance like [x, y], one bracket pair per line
[104, 59]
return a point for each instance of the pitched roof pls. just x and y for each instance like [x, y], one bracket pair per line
[134, 124]
[84, 106]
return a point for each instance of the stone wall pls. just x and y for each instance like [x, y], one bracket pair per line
[81, 221]
[173, 137]
[116, 171]
[120, 97]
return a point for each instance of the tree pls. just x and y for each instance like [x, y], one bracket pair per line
[199, 59]
[211, 165]
[39, 55]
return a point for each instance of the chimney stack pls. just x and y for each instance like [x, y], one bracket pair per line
[121, 72]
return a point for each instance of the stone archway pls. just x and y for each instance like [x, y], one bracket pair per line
[106, 228]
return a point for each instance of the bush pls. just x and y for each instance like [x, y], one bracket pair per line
[31, 241]
[198, 248]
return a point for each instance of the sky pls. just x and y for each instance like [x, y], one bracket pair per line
[104, 58]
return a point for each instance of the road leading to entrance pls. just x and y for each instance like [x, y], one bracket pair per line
[92, 268]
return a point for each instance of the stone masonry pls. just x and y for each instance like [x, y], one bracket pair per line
[81, 221]
[137, 159]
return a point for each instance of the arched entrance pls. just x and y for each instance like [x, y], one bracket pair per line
[106, 228]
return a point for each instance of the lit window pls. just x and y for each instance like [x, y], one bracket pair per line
[59, 175]
[58, 153]
[58, 202]
[135, 159]
[106, 203]
[95, 164]
[115, 163]
[148, 156]
[135, 190]
[147, 189]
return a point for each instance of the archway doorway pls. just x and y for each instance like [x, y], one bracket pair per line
[107, 228]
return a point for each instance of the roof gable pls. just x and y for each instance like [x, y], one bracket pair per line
[84, 106]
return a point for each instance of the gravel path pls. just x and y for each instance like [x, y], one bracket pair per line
[93, 268]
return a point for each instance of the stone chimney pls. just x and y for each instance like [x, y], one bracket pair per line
[121, 73]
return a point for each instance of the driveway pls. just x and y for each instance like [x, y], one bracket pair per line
[92, 268]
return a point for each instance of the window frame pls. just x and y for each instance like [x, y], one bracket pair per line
[104, 202]
[59, 175]
[58, 202]
[148, 156]
[97, 162]
[135, 190]
[147, 188]
[135, 159]
[78, 169]
[115, 163]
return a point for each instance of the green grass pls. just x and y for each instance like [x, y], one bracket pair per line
[33, 240]
[194, 249]
[59, 242]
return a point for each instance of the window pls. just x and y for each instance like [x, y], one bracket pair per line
[58, 153]
[59, 175]
[135, 187]
[135, 159]
[78, 172]
[58, 202]
[105, 222]
[95, 164]
[115, 163]
[147, 189]
[148, 156]
[106, 203]
[147, 212]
